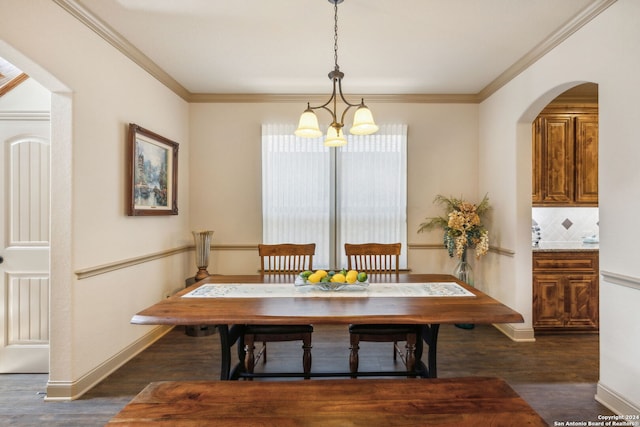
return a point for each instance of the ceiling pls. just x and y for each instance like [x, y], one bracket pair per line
[401, 47]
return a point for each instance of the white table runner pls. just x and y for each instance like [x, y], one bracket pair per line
[286, 290]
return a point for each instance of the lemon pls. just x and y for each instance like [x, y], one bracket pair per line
[322, 273]
[339, 278]
[351, 276]
[314, 278]
[362, 277]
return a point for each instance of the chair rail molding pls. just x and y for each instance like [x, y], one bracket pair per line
[129, 262]
[495, 249]
[117, 265]
[620, 279]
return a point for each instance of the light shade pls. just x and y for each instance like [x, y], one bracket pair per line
[363, 123]
[335, 137]
[308, 125]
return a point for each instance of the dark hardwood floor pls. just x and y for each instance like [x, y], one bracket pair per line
[556, 375]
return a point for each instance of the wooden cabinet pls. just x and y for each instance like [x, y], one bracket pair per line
[565, 291]
[565, 158]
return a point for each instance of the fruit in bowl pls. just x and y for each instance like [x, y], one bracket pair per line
[339, 277]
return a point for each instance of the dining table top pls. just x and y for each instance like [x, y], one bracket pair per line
[327, 307]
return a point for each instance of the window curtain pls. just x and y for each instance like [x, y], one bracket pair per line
[354, 194]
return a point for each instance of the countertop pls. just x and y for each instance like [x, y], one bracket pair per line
[565, 246]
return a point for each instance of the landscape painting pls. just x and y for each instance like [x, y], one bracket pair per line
[152, 183]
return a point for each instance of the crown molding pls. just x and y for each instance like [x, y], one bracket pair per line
[570, 27]
[318, 98]
[115, 39]
[74, 8]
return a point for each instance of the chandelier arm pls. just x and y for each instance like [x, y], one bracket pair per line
[331, 99]
[334, 119]
[324, 105]
[344, 113]
[349, 105]
[342, 96]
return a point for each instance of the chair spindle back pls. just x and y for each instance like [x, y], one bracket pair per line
[373, 257]
[286, 257]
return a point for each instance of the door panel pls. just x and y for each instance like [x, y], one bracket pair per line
[558, 158]
[587, 159]
[583, 307]
[548, 301]
[24, 237]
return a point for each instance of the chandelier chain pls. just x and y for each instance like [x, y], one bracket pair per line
[335, 34]
[363, 123]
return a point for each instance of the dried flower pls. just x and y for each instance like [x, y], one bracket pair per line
[462, 226]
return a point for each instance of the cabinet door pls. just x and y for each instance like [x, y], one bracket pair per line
[581, 301]
[536, 166]
[548, 301]
[557, 159]
[586, 149]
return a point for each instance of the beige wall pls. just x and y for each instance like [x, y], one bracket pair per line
[97, 91]
[226, 172]
[603, 52]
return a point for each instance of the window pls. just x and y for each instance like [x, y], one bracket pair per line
[314, 194]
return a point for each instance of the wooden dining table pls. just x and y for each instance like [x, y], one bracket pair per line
[229, 314]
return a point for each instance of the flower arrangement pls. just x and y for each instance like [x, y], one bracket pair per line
[462, 225]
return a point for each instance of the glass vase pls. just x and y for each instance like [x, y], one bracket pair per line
[464, 273]
[463, 270]
[203, 246]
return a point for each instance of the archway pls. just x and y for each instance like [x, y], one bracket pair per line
[61, 211]
[565, 219]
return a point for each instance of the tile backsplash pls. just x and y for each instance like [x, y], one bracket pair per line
[566, 224]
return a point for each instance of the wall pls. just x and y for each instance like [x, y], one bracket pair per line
[28, 96]
[226, 183]
[96, 91]
[603, 52]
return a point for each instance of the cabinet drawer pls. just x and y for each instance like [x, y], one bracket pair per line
[586, 262]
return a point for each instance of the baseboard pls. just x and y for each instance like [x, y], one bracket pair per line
[70, 390]
[516, 334]
[615, 402]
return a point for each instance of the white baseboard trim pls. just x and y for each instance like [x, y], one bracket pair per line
[516, 334]
[615, 402]
[70, 390]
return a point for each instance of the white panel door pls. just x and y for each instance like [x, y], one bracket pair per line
[24, 244]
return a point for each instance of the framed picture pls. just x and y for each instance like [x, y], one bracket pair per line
[152, 183]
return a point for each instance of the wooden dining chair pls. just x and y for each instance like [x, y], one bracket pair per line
[379, 258]
[283, 258]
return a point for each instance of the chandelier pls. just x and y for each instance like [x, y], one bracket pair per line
[363, 123]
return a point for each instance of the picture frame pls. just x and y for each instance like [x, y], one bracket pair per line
[152, 173]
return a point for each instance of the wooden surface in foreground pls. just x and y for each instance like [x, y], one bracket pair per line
[472, 401]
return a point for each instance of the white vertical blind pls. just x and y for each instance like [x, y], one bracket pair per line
[295, 190]
[368, 201]
[372, 190]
